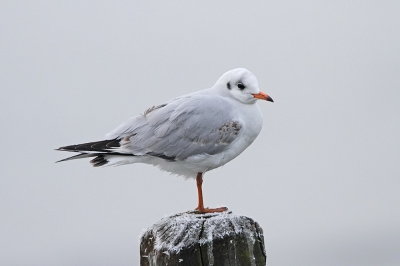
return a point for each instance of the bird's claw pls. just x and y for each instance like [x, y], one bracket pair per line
[209, 210]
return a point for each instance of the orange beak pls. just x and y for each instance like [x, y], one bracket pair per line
[263, 96]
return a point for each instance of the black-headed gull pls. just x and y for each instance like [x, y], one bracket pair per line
[188, 135]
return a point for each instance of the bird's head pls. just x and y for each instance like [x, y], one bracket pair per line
[242, 85]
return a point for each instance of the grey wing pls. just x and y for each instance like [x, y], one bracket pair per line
[184, 127]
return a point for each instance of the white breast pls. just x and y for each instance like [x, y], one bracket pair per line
[250, 117]
[251, 120]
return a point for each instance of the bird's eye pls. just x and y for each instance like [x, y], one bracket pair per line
[241, 86]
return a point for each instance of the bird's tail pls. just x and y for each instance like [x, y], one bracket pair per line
[105, 152]
[98, 160]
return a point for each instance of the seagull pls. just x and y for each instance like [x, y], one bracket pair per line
[189, 135]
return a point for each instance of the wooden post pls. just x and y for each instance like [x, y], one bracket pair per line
[203, 239]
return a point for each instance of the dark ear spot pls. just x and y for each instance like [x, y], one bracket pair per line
[228, 85]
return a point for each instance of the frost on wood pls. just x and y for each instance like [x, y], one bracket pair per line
[203, 239]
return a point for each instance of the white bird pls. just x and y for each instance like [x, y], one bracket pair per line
[189, 135]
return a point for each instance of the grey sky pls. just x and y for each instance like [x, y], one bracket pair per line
[322, 179]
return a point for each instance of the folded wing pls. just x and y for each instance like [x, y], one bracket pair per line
[184, 127]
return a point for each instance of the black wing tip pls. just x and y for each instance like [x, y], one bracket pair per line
[68, 148]
[99, 160]
[77, 156]
[96, 146]
[62, 160]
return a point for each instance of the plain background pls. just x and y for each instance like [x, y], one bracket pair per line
[322, 178]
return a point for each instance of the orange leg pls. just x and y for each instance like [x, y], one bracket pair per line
[200, 207]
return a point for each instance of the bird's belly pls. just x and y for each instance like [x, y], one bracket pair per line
[201, 163]
[207, 162]
[251, 126]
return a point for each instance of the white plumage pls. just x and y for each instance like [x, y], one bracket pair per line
[190, 134]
